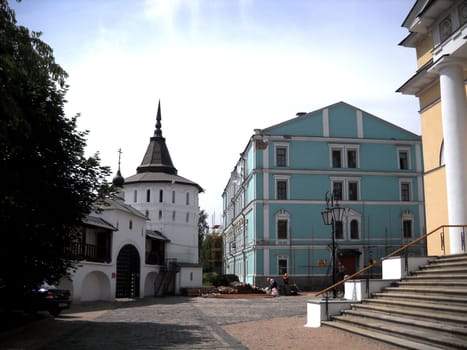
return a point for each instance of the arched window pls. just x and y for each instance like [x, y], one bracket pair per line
[148, 196]
[161, 196]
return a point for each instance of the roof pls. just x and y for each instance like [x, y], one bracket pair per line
[157, 156]
[157, 165]
[341, 104]
[95, 221]
[161, 178]
[156, 235]
[119, 204]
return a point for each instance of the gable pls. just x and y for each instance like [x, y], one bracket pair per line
[340, 120]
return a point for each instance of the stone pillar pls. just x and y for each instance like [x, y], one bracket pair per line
[454, 114]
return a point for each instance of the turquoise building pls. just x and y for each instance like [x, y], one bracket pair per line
[273, 200]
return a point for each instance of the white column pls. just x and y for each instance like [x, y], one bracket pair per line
[454, 114]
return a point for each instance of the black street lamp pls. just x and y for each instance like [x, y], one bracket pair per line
[333, 214]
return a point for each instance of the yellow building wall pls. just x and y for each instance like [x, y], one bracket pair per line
[423, 50]
[432, 136]
[436, 210]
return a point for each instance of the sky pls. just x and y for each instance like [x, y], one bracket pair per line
[220, 69]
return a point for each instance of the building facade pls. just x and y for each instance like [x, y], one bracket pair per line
[273, 200]
[144, 241]
[438, 31]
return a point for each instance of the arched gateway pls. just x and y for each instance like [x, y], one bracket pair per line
[128, 272]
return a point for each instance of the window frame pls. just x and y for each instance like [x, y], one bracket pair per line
[400, 151]
[284, 159]
[280, 269]
[343, 151]
[407, 191]
[280, 180]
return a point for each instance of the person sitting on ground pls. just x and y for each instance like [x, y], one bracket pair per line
[272, 287]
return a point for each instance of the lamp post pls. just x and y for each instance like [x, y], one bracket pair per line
[333, 214]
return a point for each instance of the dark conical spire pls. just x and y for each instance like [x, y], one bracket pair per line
[158, 131]
[157, 158]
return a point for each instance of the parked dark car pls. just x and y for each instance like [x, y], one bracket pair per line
[47, 298]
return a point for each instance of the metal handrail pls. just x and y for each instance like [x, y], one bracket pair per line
[408, 245]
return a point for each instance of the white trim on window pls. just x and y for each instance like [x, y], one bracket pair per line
[278, 178]
[345, 186]
[401, 150]
[410, 194]
[344, 149]
[281, 146]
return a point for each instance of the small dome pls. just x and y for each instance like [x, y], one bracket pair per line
[118, 180]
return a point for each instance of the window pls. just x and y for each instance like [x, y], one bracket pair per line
[281, 156]
[173, 196]
[344, 156]
[160, 214]
[405, 191]
[407, 228]
[173, 215]
[351, 158]
[337, 188]
[187, 199]
[281, 189]
[135, 196]
[282, 263]
[130, 225]
[354, 234]
[336, 158]
[187, 217]
[403, 160]
[161, 196]
[148, 196]
[146, 213]
[339, 230]
[282, 229]
[353, 190]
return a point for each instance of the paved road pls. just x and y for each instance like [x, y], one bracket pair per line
[150, 323]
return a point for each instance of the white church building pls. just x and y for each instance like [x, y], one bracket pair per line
[144, 241]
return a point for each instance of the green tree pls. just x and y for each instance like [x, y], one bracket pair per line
[48, 185]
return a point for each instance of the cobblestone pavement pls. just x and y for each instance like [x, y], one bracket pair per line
[150, 323]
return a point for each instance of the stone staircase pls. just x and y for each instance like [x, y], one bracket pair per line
[425, 311]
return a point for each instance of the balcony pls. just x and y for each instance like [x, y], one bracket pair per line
[91, 252]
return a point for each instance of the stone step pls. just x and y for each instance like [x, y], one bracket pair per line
[413, 332]
[439, 270]
[425, 289]
[438, 282]
[422, 305]
[438, 315]
[445, 299]
[435, 325]
[387, 338]
[427, 276]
